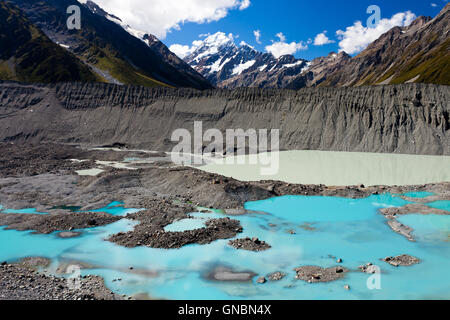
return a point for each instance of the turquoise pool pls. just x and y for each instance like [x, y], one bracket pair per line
[302, 230]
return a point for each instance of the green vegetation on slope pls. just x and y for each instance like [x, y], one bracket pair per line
[417, 53]
[122, 70]
[108, 48]
[27, 54]
[431, 68]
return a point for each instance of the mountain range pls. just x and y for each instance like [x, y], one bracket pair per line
[227, 65]
[36, 46]
[107, 48]
[419, 52]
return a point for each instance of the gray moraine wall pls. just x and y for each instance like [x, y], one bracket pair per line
[409, 119]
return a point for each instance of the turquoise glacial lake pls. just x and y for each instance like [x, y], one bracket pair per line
[325, 229]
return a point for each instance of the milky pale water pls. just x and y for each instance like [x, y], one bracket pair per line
[326, 228]
[341, 168]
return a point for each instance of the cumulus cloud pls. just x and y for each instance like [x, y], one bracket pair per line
[257, 34]
[244, 4]
[433, 4]
[322, 39]
[281, 47]
[357, 37]
[160, 16]
[183, 51]
[281, 36]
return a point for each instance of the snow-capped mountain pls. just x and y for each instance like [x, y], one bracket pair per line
[98, 10]
[227, 65]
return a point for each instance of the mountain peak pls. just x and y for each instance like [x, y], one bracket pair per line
[210, 46]
[420, 21]
[225, 64]
[219, 39]
[95, 8]
[244, 45]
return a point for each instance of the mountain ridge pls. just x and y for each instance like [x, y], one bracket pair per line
[152, 41]
[419, 52]
[227, 65]
[27, 54]
[106, 47]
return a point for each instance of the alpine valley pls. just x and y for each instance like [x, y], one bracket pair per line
[118, 158]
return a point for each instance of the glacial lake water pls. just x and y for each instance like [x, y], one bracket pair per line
[325, 229]
[339, 168]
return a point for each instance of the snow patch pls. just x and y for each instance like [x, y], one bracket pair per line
[136, 33]
[307, 66]
[217, 66]
[65, 46]
[290, 65]
[242, 67]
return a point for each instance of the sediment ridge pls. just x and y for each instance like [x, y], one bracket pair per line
[409, 118]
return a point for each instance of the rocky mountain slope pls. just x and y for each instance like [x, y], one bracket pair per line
[417, 53]
[153, 43]
[319, 69]
[27, 54]
[111, 51]
[408, 118]
[227, 65]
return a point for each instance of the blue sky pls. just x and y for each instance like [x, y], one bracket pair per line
[180, 22]
[298, 21]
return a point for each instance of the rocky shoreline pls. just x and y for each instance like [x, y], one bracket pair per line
[22, 281]
[44, 177]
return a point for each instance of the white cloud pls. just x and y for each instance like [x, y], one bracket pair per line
[433, 4]
[183, 51]
[257, 34]
[322, 39]
[357, 37]
[244, 4]
[281, 36]
[160, 16]
[281, 47]
[180, 50]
